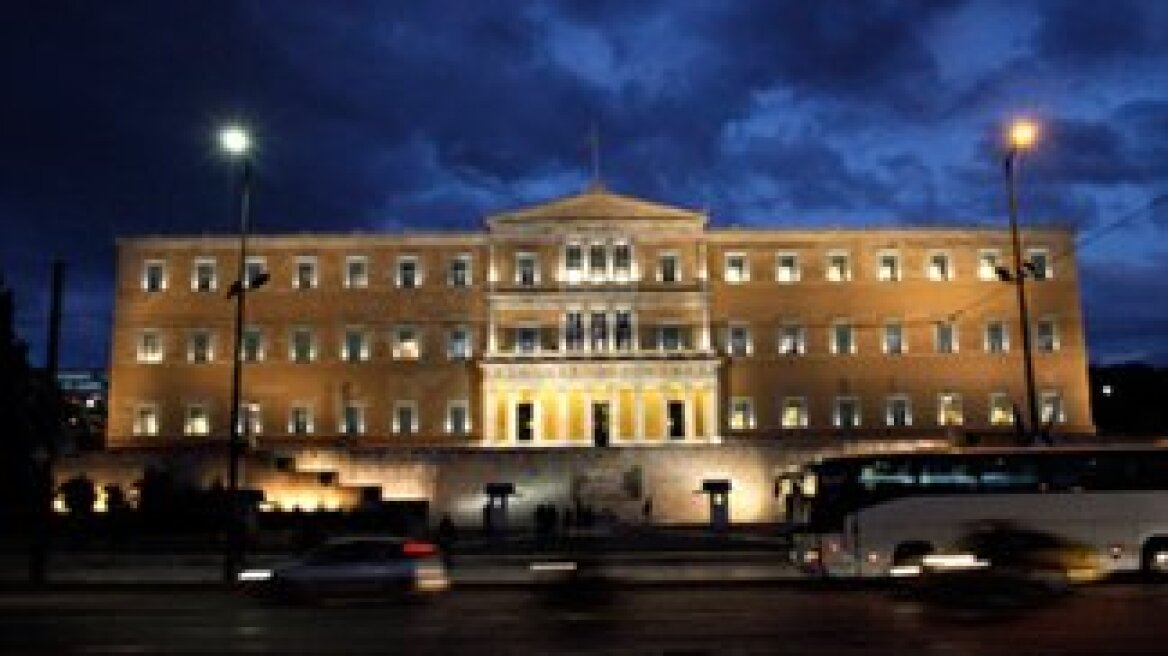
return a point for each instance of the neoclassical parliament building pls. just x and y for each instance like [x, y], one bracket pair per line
[597, 347]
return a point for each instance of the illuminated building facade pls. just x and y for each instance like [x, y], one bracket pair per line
[595, 333]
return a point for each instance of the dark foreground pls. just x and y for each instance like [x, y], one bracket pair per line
[1108, 619]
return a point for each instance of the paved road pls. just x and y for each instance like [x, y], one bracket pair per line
[1109, 619]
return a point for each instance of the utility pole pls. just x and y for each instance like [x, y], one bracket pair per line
[45, 452]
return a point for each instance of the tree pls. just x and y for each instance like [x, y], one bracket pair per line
[80, 495]
[17, 396]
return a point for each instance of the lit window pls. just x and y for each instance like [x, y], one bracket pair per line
[405, 418]
[945, 336]
[407, 343]
[1046, 335]
[305, 273]
[898, 411]
[888, 266]
[741, 413]
[622, 262]
[460, 271]
[458, 346]
[251, 418]
[200, 348]
[574, 262]
[668, 268]
[146, 419]
[1001, 410]
[408, 275]
[997, 340]
[526, 270]
[598, 261]
[255, 271]
[198, 421]
[939, 268]
[204, 276]
[300, 420]
[356, 272]
[149, 346]
[792, 339]
[1038, 264]
[949, 409]
[794, 412]
[458, 417]
[669, 338]
[843, 339]
[1050, 408]
[302, 348]
[623, 332]
[355, 347]
[251, 345]
[987, 263]
[598, 331]
[894, 338]
[839, 266]
[787, 267]
[154, 276]
[574, 331]
[526, 339]
[738, 340]
[846, 413]
[353, 419]
[737, 269]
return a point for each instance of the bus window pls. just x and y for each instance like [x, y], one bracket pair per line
[948, 474]
[887, 473]
[1009, 474]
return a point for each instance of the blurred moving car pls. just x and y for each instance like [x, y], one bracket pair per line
[346, 567]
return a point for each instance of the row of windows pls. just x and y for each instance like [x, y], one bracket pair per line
[605, 332]
[301, 419]
[898, 411]
[604, 263]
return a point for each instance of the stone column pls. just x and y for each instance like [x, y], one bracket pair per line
[509, 425]
[639, 413]
[562, 420]
[489, 407]
[691, 427]
[715, 421]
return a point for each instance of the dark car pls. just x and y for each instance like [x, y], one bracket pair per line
[365, 566]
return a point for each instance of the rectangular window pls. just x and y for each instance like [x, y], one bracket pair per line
[939, 268]
[898, 411]
[1038, 264]
[843, 341]
[741, 413]
[997, 340]
[251, 345]
[624, 330]
[405, 418]
[598, 331]
[945, 336]
[574, 331]
[526, 270]
[356, 272]
[622, 261]
[154, 276]
[894, 338]
[675, 419]
[839, 266]
[255, 271]
[300, 420]
[302, 348]
[792, 339]
[458, 417]
[527, 339]
[794, 412]
[204, 277]
[598, 260]
[847, 412]
[459, 271]
[146, 419]
[408, 275]
[200, 348]
[524, 422]
[1046, 337]
[988, 260]
[668, 268]
[355, 347]
[737, 270]
[669, 338]
[407, 343]
[787, 268]
[305, 273]
[353, 419]
[888, 266]
[573, 257]
[1050, 408]
[1001, 410]
[738, 340]
[197, 421]
[949, 409]
[458, 346]
[149, 347]
[251, 418]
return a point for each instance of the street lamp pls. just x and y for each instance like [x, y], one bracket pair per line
[1021, 136]
[236, 142]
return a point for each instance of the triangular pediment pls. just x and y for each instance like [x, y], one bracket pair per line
[596, 203]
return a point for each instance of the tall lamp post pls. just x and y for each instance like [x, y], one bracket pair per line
[236, 143]
[1021, 137]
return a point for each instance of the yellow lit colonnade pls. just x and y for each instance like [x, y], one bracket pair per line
[600, 404]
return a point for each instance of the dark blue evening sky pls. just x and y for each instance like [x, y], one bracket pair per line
[390, 115]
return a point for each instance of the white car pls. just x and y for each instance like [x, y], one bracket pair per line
[360, 566]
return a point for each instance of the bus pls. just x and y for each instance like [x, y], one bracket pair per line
[872, 515]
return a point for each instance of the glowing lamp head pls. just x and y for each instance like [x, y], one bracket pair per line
[1023, 134]
[234, 140]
